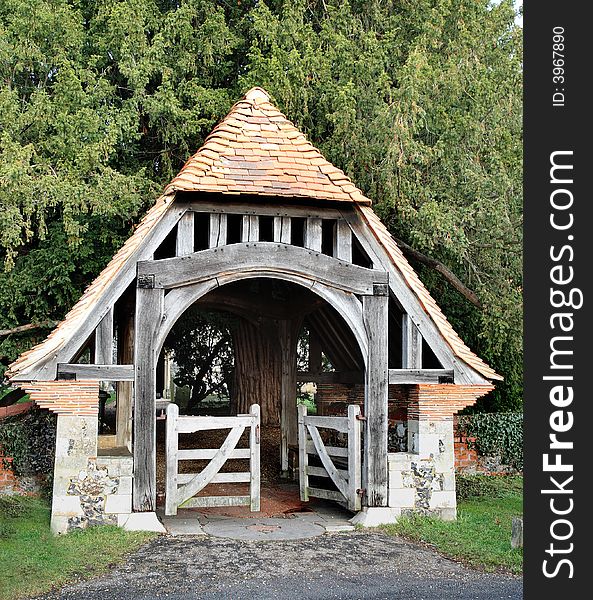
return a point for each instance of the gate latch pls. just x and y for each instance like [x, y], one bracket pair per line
[361, 418]
[361, 491]
[257, 434]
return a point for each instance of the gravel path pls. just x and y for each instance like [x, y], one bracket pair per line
[347, 566]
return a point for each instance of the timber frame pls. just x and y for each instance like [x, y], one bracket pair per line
[258, 203]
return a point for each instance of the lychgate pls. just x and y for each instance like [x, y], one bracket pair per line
[260, 225]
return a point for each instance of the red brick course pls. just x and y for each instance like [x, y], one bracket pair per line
[66, 397]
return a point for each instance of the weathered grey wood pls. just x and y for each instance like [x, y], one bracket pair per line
[417, 376]
[202, 479]
[315, 353]
[326, 494]
[237, 477]
[326, 461]
[208, 453]
[288, 333]
[193, 424]
[342, 241]
[149, 312]
[411, 344]
[312, 234]
[282, 229]
[254, 461]
[338, 423]
[46, 370]
[303, 455]
[125, 389]
[185, 234]
[410, 302]
[104, 339]
[213, 501]
[218, 230]
[331, 450]
[354, 458]
[172, 448]
[250, 228]
[375, 309]
[260, 257]
[267, 210]
[331, 377]
[317, 471]
[106, 372]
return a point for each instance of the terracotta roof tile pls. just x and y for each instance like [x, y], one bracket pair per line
[255, 129]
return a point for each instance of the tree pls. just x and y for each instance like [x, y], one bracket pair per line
[419, 102]
[201, 344]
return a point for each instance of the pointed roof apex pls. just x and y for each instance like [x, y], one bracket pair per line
[257, 95]
[256, 150]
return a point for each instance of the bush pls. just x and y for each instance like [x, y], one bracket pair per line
[30, 440]
[497, 434]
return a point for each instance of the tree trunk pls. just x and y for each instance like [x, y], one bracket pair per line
[258, 369]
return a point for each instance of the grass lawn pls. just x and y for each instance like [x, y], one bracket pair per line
[33, 561]
[481, 536]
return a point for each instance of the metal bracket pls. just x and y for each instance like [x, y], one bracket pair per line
[361, 418]
[361, 491]
[146, 281]
[380, 289]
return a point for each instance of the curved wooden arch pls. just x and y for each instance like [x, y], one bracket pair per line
[178, 300]
[259, 257]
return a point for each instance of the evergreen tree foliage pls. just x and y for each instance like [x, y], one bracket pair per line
[419, 101]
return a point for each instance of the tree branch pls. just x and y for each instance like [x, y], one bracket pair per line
[28, 327]
[443, 270]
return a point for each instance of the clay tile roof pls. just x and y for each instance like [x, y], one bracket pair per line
[255, 142]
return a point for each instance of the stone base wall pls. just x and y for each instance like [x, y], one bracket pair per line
[88, 489]
[424, 481]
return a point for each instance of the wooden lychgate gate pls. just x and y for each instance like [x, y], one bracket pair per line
[341, 464]
[181, 488]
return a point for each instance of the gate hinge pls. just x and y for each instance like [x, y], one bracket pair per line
[361, 491]
[361, 418]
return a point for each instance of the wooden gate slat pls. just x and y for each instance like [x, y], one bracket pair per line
[201, 480]
[339, 481]
[208, 453]
[242, 477]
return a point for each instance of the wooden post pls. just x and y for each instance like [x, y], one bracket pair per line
[250, 228]
[354, 457]
[172, 441]
[342, 241]
[125, 389]
[313, 232]
[288, 332]
[149, 314]
[411, 344]
[218, 230]
[303, 456]
[375, 314]
[254, 458]
[282, 227]
[185, 234]
[104, 340]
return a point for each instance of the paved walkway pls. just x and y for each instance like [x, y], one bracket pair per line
[358, 565]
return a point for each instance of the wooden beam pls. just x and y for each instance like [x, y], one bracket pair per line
[288, 334]
[97, 372]
[411, 344]
[149, 314]
[315, 353]
[104, 339]
[376, 311]
[185, 234]
[282, 229]
[250, 228]
[417, 376]
[258, 257]
[266, 210]
[218, 230]
[313, 234]
[342, 241]
[331, 377]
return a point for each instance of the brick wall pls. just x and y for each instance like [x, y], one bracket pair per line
[9, 482]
